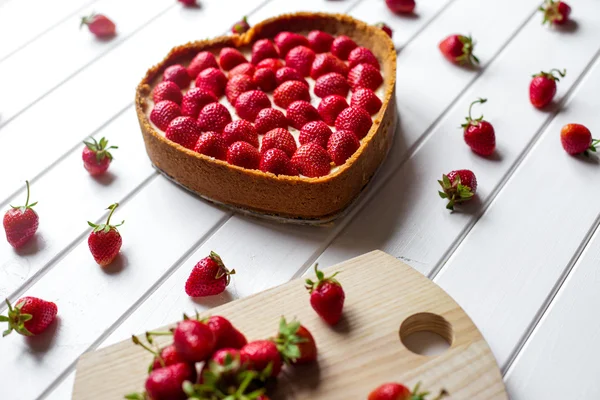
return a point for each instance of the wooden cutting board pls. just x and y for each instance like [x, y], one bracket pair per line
[385, 300]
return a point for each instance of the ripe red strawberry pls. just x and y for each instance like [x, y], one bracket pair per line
[577, 139]
[300, 113]
[277, 162]
[100, 25]
[326, 297]
[167, 91]
[273, 63]
[202, 61]
[263, 354]
[249, 104]
[458, 186]
[301, 59]
[240, 130]
[401, 6]
[241, 26]
[397, 391]
[385, 28]
[286, 41]
[105, 240]
[355, 120]
[178, 75]
[263, 49]
[228, 355]
[341, 145]
[543, 87]
[362, 55]
[331, 83]
[325, 63]
[167, 383]
[268, 119]
[364, 75]
[226, 335]
[366, 99]
[265, 79]
[167, 356]
[330, 107]
[194, 100]
[29, 316]
[243, 69]
[243, 155]
[320, 42]
[184, 131]
[211, 144]
[312, 160]
[214, 117]
[555, 12]
[290, 91]
[190, 3]
[315, 132]
[163, 113]
[212, 80]
[21, 223]
[209, 277]
[342, 46]
[96, 156]
[230, 57]
[279, 138]
[479, 134]
[295, 343]
[237, 85]
[285, 74]
[194, 340]
[458, 49]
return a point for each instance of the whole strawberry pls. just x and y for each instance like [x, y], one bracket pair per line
[243, 155]
[397, 391]
[383, 26]
[300, 58]
[279, 138]
[331, 106]
[96, 156]
[401, 6]
[263, 49]
[479, 134]
[243, 69]
[188, 2]
[167, 90]
[209, 277]
[277, 162]
[290, 91]
[342, 46]
[268, 119]
[21, 223]
[194, 100]
[320, 42]
[240, 130]
[366, 99]
[577, 139]
[315, 131]
[105, 240]
[341, 145]
[167, 383]
[327, 62]
[365, 76]
[265, 79]
[211, 144]
[312, 160]
[543, 87]
[326, 297]
[285, 74]
[286, 41]
[295, 343]
[264, 356]
[184, 131]
[163, 113]
[458, 49]
[167, 356]
[230, 57]
[331, 83]
[241, 26]
[555, 12]
[226, 335]
[213, 80]
[300, 113]
[237, 85]
[177, 74]
[458, 186]
[29, 316]
[249, 104]
[355, 120]
[362, 55]
[214, 117]
[100, 25]
[194, 340]
[202, 61]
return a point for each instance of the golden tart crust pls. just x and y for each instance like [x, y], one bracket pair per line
[296, 197]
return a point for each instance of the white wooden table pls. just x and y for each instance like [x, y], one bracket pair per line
[522, 259]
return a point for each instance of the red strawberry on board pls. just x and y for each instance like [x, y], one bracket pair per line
[290, 91]
[315, 132]
[202, 61]
[366, 99]
[214, 117]
[331, 83]
[401, 6]
[355, 120]
[295, 343]
[241, 26]
[249, 104]
[326, 297]
[362, 55]
[194, 340]
[269, 119]
[458, 49]
[273, 63]
[194, 100]
[229, 362]
[265, 79]
[163, 113]
[262, 49]
[479, 134]
[237, 85]
[365, 76]
[555, 12]
[167, 91]
[226, 335]
[397, 391]
[29, 316]
[212, 80]
[96, 156]
[211, 144]
[543, 87]
[330, 107]
[341, 145]
[184, 131]
[279, 138]
[240, 130]
[209, 277]
[383, 26]
[301, 59]
[577, 139]
[243, 155]
[325, 63]
[320, 42]
[177, 74]
[286, 41]
[167, 383]
[230, 57]
[263, 356]
[243, 69]
[105, 240]
[312, 160]
[167, 356]
[342, 46]
[300, 113]
[277, 162]
[21, 223]
[100, 25]
[285, 74]
[458, 186]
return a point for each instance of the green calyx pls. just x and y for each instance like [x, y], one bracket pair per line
[551, 75]
[595, 142]
[242, 387]
[454, 191]
[101, 148]
[467, 58]
[287, 340]
[16, 320]
[27, 205]
[137, 396]
[222, 268]
[416, 395]
[551, 13]
[106, 227]
[471, 120]
[311, 285]
[242, 26]
[87, 20]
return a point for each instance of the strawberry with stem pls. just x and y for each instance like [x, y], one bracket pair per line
[96, 156]
[479, 134]
[295, 343]
[543, 87]
[29, 316]
[397, 391]
[21, 222]
[105, 240]
[326, 296]
[458, 186]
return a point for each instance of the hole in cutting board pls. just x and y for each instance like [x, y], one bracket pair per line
[426, 334]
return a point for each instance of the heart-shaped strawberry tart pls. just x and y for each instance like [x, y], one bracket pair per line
[290, 119]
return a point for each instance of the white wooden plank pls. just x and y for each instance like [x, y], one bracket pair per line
[65, 50]
[63, 391]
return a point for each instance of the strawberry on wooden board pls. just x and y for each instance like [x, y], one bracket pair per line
[320, 42]
[555, 12]
[214, 117]
[330, 107]
[366, 99]
[100, 25]
[577, 139]
[249, 104]
[184, 131]
[458, 49]
[401, 6]
[243, 155]
[194, 100]
[300, 113]
[96, 156]
[202, 61]
[240, 130]
[479, 134]
[543, 87]
[326, 296]
[277, 162]
[342, 46]
[193, 340]
[166, 383]
[177, 74]
[264, 357]
[105, 240]
[211, 144]
[167, 90]
[301, 59]
[383, 26]
[167, 356]
[241, 26]
[262, 49]
[286, 41]
[312, 160]
[295, 343]
[397, 391]
[458, 186]
[341, 146]
[163, 113]
[230, 57]
[290, 91]
[279, 138]
[209, 277]
[21, 223]
[268, 119]
[226, 335]
[29, 316]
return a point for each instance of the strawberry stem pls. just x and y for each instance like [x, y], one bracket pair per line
[27, 205]
[470, 119]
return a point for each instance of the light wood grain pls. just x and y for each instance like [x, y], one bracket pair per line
[358, 354]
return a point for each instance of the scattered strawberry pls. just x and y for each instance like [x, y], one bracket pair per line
[362, 55]
[331, 83]
[341, 145]
[397, 391]
[241, 26]
[214, 117]
[237, 85]
[479, 134]
[301, 112]
[312, 160]
[21, 223]
[226, 335]
[543, 87]
[243, 69]
[105, 240]
[330, 107]
[273, 63]
[458, 49]
[326, 297]
[285, 74]
[263, 354]
[100, 25]
[577, 139]
[243, 155]
[211, 144]
[401, 6]
[295, 343]
[265, 79]
[189, 3]
[286, 41]
[167, 356]
[268, 119]
[178, 75]
[249, 104]
[96, 156]
[193, 340]
[342, 46]
[290, 91]
[202, 61]
[555, 12]
[458, 186]
[279, 138]
[385, 28]
[194, 100]
[320, 42]
[364, 75]
[30, 316]
[209, 277]
[167, 91]
[233, 359]
[325, 63]
[366, 99]
[167, 383]
[355, 120]
[240, 130]
[315, 132]
[230, 57]
[277, 162]
[301, 59]
[262, 49]
[212, 80]
[163, 113]
[184, 131]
